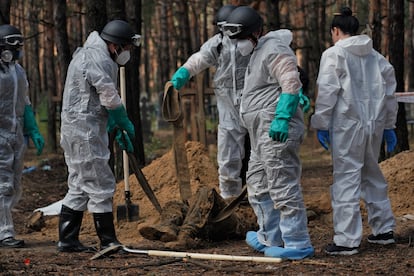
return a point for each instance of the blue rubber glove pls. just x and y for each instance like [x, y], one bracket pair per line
[180, 78]
[304, 101]
[390, 139]
[123, 141]
[323, 137]
[118, 117]
[31, 129]
[285, 109]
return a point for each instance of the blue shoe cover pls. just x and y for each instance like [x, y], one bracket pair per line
[253, 242]
[289, 253]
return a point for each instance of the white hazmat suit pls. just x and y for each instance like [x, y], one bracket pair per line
[13, 99]
[219, 51]
[355, 104]
[91, 87]
[274, 173]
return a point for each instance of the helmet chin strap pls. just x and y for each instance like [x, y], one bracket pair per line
[256, 38]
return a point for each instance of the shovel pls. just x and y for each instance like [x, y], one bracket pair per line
[229, 208]
[188, 255]
[128, 211]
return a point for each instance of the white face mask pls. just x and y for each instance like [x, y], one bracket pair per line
[245, 47]
[123, 57]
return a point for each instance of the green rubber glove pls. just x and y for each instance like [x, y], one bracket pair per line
[304, 101]
[123, 141]
[30, 128]
[180, 78]
[285, 109]
[111, 125]
[118, 117]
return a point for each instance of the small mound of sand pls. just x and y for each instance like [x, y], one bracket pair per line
[161, 176]
[399, 172]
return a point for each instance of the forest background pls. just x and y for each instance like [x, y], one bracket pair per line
[174, 29]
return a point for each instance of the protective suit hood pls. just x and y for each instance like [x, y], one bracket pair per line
[283, 35]
[359, 45]
[95, 41]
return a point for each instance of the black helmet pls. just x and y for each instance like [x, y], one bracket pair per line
[222, 14]
[242, 22]
[10, 37]
[120, 32]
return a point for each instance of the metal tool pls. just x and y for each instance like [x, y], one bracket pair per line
[229, 208]
[128, 211]
[189, 255]
[143, 181]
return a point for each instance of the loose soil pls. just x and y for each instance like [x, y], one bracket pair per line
[43, 187]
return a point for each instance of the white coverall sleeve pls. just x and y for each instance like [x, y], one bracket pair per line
[283, 67]
[328, 88]
[391, 104]
[21, 71]
[98, 76]
[206, 57]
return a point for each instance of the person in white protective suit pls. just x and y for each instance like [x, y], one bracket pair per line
[355, 109]
[16, 119]
[220, 52]
[92, 106]
[272, 113]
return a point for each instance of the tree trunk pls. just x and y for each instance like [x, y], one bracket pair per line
[32, 46]
[62, 44]
[375, 19]
[396, 35]
[4, 12]
[115, 9]
[133, 82]
[164, 45]
[96, 15]
[50, 75]
[273, 14]
[410, 47]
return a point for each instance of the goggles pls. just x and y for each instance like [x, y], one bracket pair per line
[232, 29]
[136, 40]
[13, 40]
[220, 25]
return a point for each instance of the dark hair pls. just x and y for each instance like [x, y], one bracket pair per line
[345, 21]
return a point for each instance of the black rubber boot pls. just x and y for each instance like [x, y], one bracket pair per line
[69, 226]
[104, 225]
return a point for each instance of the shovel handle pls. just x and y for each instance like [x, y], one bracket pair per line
[122, 86]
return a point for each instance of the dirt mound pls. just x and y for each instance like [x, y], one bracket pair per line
[399, 172]
[160, 174]
[43, 187]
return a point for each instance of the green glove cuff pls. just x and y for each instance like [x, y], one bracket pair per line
[304, 101]
[180, 78]
[285, 109]
[287, 105]
[29, 121]
[119, 117]
[30, 128]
